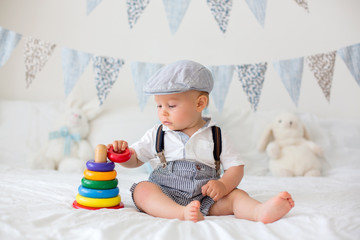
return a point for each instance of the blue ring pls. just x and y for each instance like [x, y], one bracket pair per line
[100, 167]
[98, 193]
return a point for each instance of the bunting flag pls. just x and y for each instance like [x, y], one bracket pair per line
[141, 72]
[351, 57]
[91, 5]
[258, 8]
[8, 42]
[252, 78]
[175, 11]
[134, 9]
[221, 11]
[303, 4]
[290, 72]
[73, 64]
[222, 78]
[106, 71]
[322, 65]
[36, 54]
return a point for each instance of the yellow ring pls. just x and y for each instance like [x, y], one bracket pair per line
[100, 176]
[98, 202]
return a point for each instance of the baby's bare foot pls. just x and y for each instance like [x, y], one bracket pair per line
[275, 208]
[192, 212]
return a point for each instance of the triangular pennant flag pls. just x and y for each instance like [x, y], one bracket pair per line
[73, 64]
[141, 72]
[252, 78]
[351, 57]
[134, 9]
[322, 65]
[258, 8]
[175, 11]
[222, 78]
[221, 11]
[303, 3]
[91, 5]
[106, 71]
[8, 42]
[36, 55]
[290, 72]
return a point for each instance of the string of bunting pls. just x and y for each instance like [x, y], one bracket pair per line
[252, 76]
[176, 10]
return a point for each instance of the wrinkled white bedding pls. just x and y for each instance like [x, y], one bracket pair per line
[37, 204]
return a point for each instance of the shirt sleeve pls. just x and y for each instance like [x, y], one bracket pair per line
[145, 147]
[230, 156]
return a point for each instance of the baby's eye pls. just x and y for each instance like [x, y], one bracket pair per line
[158, 106]
[172, 106]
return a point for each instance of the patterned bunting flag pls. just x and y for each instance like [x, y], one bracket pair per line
[134, 9]
[322, 65]
[106, 71]
[351, 57]
[252, 78]
[141, 72]
[36, 55]
[73, 64]
[221, 11]
[258, 8]
[175, 11]
[303, 3]
[8, 41]
[91, 5]
[290, 72]
[222, 78]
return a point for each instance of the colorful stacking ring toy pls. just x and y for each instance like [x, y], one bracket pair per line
[98, 202]
[97, 193]
[99, 184]
[118, 157]
[100, 167]
[100, 176]
[78, 206]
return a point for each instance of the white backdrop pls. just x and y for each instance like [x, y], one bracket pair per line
[289, 32]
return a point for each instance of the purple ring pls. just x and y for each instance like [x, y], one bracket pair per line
[100, 167]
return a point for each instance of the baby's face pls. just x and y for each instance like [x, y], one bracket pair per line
[178, 111]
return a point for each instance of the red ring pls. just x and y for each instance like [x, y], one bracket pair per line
[78, 206]
[118, 157]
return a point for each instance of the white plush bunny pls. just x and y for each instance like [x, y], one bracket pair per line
[67, 148]
[288, 145]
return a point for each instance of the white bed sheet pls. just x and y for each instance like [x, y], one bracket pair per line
[37, 204]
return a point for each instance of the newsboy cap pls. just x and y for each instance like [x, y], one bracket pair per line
[180, 76]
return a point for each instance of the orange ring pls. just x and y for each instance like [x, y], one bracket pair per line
[100, 176]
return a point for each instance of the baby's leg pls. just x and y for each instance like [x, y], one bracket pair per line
[243, 206]
[150, 199]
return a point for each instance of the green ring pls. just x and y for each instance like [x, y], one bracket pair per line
[99, 184]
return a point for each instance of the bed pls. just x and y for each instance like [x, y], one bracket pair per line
[37, 203]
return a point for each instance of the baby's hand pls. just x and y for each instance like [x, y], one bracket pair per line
[118, 145]
[214, 189]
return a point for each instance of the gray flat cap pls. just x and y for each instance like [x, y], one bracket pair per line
[180, 76]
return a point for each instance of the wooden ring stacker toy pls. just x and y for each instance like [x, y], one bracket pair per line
[100, 176]
[98, 202]
[118, 157]
[99, 184]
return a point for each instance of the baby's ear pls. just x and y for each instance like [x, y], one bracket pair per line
[202, 102]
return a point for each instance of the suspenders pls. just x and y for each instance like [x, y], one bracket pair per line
[216, 134]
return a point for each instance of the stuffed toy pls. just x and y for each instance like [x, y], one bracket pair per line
[289, 148]
[67, 148]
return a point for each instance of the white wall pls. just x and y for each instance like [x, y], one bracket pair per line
[289, 32]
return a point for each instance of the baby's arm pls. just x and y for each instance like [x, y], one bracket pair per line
[120, 146]
[216, 189]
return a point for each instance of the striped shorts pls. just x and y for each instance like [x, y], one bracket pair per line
[182, 181]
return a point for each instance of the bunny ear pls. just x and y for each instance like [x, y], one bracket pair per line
[306, 133]
[265, 138]
[91, 109]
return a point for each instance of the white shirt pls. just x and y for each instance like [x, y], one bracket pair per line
[199, 147]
